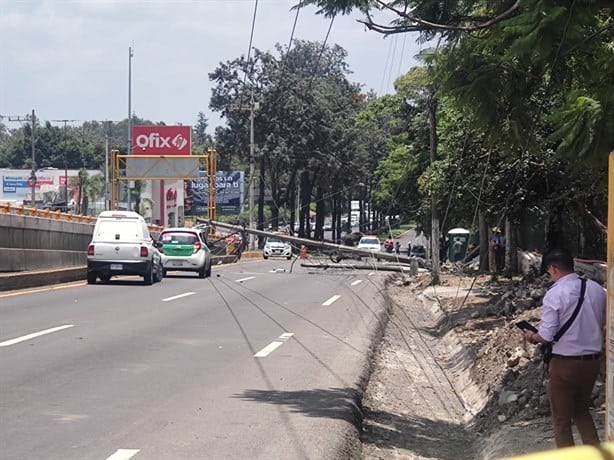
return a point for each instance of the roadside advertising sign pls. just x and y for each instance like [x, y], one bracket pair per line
[161, 140]
[229, 186]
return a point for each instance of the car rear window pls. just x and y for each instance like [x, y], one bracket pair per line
[369, 241]
[178, 238]
[108, 230]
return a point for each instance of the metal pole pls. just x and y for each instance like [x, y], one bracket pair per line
[252, 240]
[106, 171]
[33, 174]
[130, 54]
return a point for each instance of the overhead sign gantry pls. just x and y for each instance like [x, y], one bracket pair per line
[162, 153]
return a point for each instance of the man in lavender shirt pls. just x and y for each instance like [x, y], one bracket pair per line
[576, 356]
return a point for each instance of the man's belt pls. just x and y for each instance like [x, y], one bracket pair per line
[592, 357]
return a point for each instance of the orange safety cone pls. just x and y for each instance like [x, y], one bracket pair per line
[303, 253]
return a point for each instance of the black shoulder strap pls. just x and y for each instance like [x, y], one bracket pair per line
[572, 318]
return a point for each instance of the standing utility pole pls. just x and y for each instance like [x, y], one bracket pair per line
[432, 113]
[252, 168]
[130, 54]
[252, 107]
[32, 119]
[65, 121]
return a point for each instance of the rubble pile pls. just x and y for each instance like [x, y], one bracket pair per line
[509, 370]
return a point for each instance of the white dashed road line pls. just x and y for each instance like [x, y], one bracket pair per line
[175, 297]
[273, 345]
[356, 282]
[23, 338]
[245, 279]
[332, 300]
[123, 454]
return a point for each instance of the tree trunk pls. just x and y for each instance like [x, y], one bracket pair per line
[484, 246]
[511, 253]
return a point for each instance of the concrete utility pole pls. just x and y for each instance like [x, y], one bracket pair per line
[432, 113]
[65, 121]
[252, 107]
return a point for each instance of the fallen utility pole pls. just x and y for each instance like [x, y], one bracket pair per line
[338, 250]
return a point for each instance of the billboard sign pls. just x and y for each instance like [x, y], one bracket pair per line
[161, 140]
[229, 186]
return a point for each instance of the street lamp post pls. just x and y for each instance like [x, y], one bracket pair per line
[130, 55]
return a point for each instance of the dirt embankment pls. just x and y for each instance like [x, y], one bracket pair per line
[453, 378]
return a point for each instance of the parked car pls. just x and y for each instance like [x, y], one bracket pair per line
[121, 245]
[274, 247]
[185, 249]
[418, 251]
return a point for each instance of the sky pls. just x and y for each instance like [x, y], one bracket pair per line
[69, 59]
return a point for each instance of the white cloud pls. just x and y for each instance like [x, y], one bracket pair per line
[69, 59]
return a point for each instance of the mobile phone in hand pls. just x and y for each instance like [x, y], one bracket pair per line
[526, 326]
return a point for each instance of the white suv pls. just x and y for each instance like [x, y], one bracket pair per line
[274, 247]
[121, 245]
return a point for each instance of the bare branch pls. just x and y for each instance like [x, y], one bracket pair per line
[420, 24]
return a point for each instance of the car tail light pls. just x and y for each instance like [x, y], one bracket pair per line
[90, 250]
[196, 247]
[144, 251]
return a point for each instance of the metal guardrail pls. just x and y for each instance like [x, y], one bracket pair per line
[23, 210]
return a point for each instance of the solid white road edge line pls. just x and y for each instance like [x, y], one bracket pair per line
[168, 299]
[245, 279]
[356, 282]
[332, 300]
[273, 345]
[23, 338]
[123, 454]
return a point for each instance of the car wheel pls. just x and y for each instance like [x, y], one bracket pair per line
[164, 272]
[265, 257]
[201, 272]
[159, 274]
[105, 277]
[148, 278]
[91, 277]
[208, 272]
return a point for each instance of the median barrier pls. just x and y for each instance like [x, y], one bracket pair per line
[35, 278]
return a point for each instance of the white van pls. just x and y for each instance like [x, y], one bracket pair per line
[121, 245]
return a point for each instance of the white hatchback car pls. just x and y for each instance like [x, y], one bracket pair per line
[274, 247]
[369, 243]
[185, 249]
[121, 245]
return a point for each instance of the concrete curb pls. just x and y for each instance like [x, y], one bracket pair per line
[24, 280]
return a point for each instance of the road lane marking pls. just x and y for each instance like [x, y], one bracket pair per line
[175, 297]
[123, 454]
[332, 300]
[245, 279]
[356, 282]
[273, 345]
[23, 338]
[43, 289]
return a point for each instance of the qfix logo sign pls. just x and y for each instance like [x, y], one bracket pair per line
[161, 140]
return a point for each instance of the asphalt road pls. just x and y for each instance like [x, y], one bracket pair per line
[254, 362]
